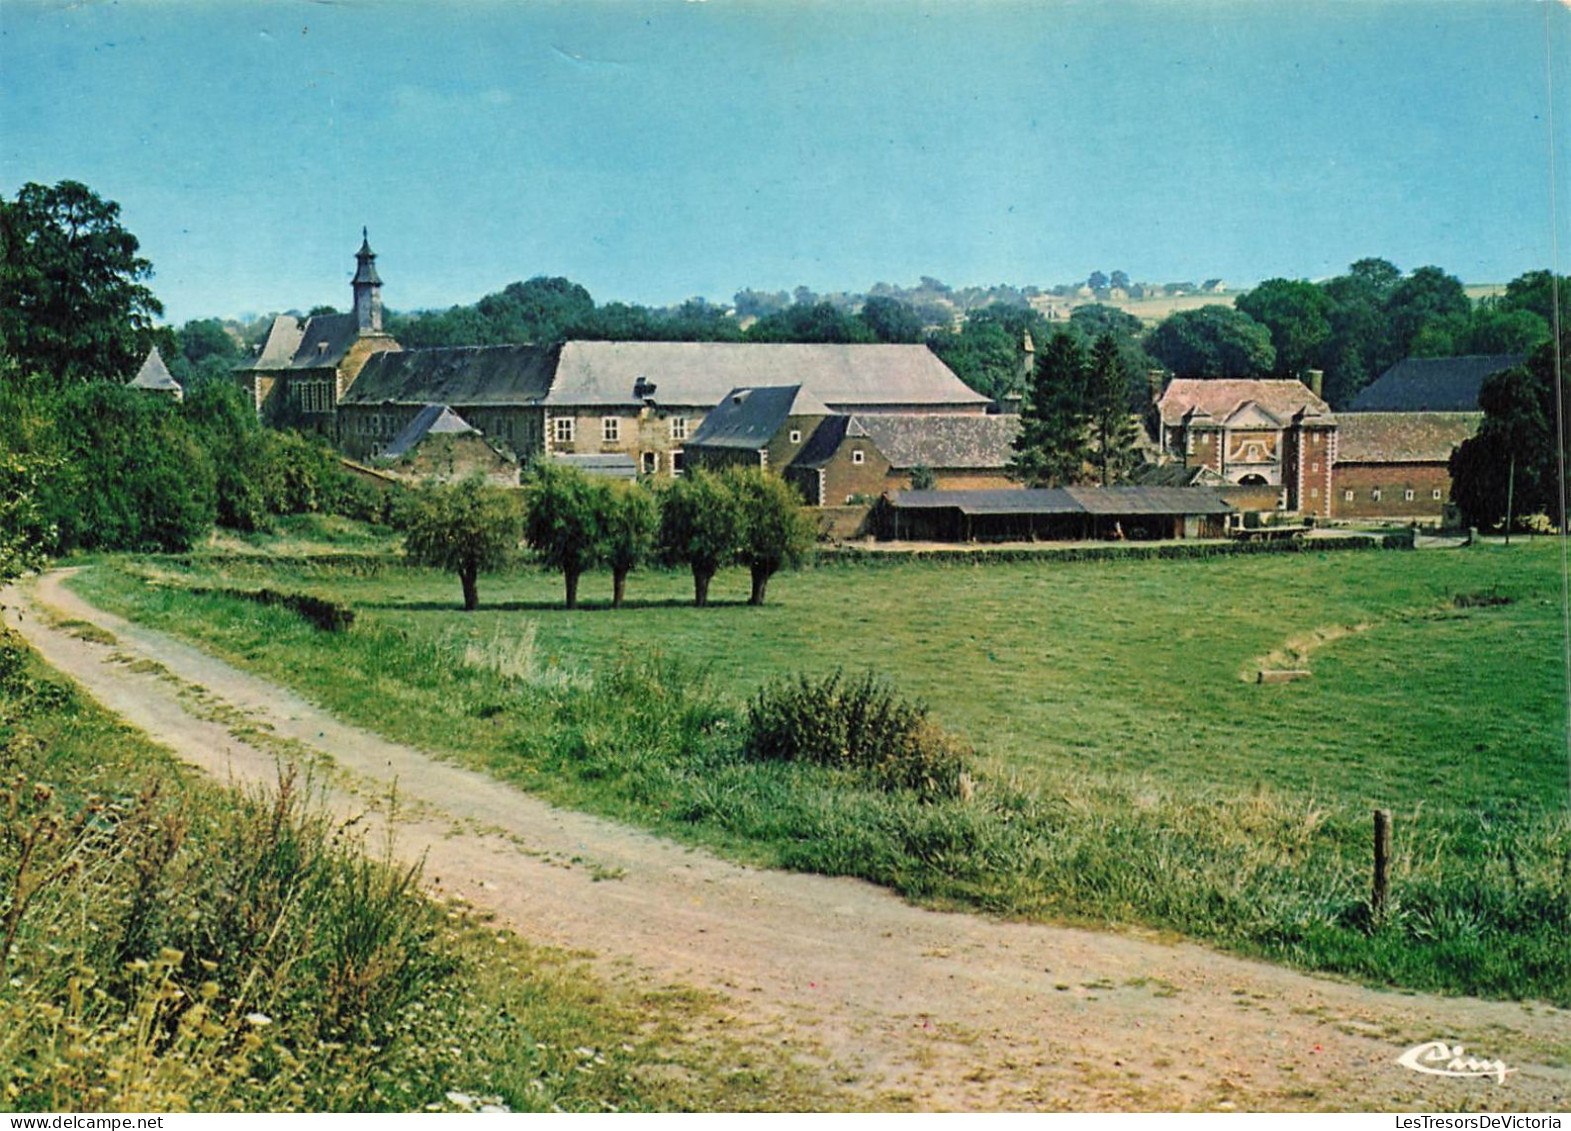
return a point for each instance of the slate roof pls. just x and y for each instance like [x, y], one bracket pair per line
[749, 418]
[155, 375]
[1433, 384]
[942, 441]
[321, 342]
[459, 375]
[1402, 437]
[1222, 398]
[844, 377]
[432, 420]
[1119, 501]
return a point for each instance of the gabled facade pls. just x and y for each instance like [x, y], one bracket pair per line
[1275, 438]
[303, 368]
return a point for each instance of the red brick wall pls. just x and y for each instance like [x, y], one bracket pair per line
[1393, 480]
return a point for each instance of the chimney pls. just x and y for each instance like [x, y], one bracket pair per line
[1156, 380]
[1316, 380]
[1027, 359]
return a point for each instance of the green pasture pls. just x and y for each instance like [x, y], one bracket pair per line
[1129, 769]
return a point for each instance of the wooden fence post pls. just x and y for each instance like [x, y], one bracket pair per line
[1377, 902]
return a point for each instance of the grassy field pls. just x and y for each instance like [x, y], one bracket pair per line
[1129, 769]
[166, 946]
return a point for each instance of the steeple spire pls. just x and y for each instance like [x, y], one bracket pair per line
[367, 287]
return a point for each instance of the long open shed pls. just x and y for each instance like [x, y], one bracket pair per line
[1021, 514]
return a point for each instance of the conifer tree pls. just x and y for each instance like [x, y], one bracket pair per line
[1112, 430]
[1051, 450]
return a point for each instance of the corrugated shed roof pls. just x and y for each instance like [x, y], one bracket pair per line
[155, 375]
[1433, 384]
[843, 377]
[944, 440]
[432, 420]
[1402, 437]
[1112, 501]
[460, 375]
[750, 418]
[1222, 398]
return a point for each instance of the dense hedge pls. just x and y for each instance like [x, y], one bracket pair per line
[1117, 552]
[329, 616]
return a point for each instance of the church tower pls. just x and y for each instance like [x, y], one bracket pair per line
[368, 288]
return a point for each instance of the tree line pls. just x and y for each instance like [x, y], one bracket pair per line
[573, 523]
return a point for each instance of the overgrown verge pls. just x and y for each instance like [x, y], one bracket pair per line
[1114, 552]
[167, 946]
[1480, 899]
[324, 615]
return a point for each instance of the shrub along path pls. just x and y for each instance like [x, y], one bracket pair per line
[912, 1007]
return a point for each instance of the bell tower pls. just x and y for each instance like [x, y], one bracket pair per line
[368, 288]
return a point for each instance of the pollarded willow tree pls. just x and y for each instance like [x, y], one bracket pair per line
[466, 528]
[700, 526]
[774, 529]
[630, 525]
[564, 520]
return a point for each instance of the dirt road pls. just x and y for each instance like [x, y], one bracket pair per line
[912, 1007]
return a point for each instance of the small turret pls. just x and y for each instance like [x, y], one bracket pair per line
[368, 288]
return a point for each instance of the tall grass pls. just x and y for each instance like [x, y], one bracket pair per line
[164, 946]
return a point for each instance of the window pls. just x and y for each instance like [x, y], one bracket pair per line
[1315, 439]
[858, 456]
[678, 463]
[1408, 495]
[796, 435]
[610, 429]
[1347, 496]
[1435, 494]
[679, 428]
[650, 461]
[1314, 467]
[1189, 443]
[562, 429]
[1375, 494]
[1314, 492]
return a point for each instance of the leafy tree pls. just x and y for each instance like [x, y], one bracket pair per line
[1535, 292]
[700, 526]
[74, 305]
[1050, 448]
[25, 532]
[631, 524]
[1093, 319]
[1296, 314]
[465, 528]
[225, 424]
[1107, 404]
[1118, 280]
[1427, 295]
[132, 475]
[890, 320]
[564, 520]
[1212, 341]
[1097, 281]
[205, 351]
[1512, 466]
[922, 478]
[774, 530]
[810, 322]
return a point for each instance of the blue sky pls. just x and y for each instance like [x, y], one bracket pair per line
[659, 150]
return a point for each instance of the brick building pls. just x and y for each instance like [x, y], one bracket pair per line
[1396, 465]
[1272, 444]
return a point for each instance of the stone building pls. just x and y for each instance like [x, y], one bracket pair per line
[833, 458]
[303, 368]
[640, 400]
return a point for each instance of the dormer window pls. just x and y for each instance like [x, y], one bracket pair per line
[858, 456]
[796, 435]
[321, 349]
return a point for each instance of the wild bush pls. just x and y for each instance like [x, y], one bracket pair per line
[859, 724]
